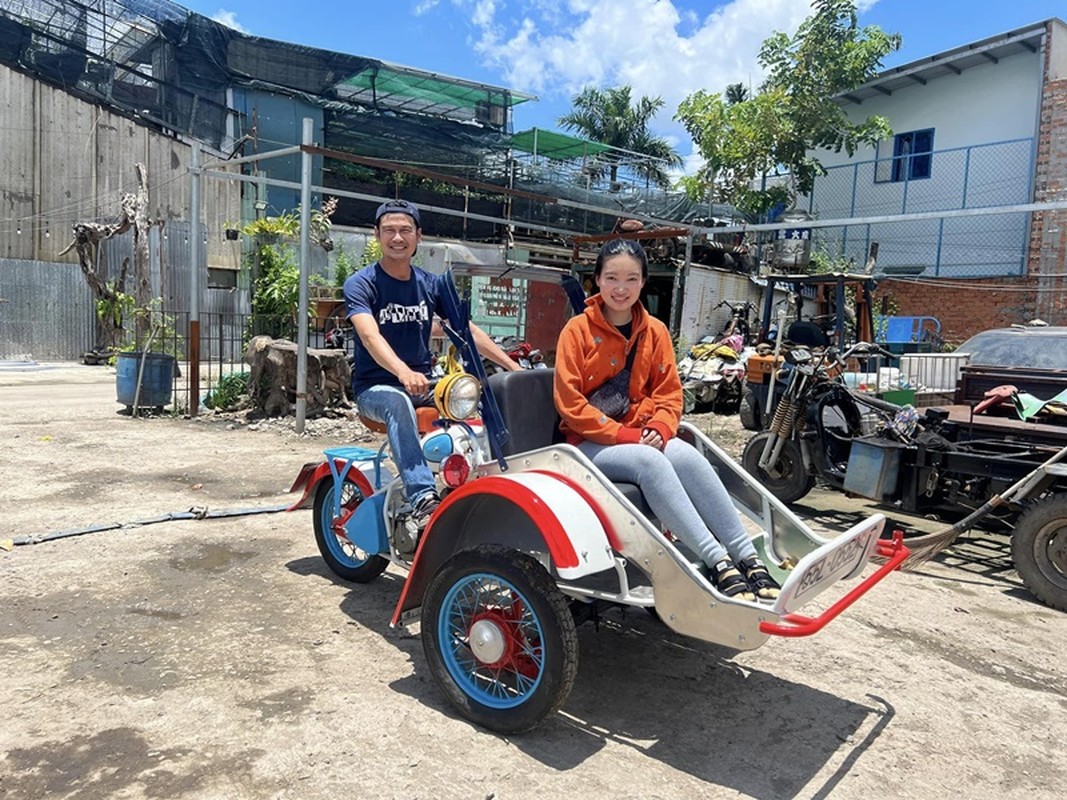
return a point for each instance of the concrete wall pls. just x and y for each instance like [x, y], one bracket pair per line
[705, 287]
[64, 160]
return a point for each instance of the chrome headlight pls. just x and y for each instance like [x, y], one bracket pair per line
[456, 396]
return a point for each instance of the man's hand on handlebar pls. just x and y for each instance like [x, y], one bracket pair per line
[414, 383]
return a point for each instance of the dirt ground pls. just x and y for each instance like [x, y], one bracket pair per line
[218, 658]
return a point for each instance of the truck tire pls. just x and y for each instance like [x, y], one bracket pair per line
[1039, 550]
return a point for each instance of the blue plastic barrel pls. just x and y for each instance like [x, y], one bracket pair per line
[157, 382]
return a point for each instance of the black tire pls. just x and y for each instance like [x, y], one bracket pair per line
[525, 624]
[341, 556]
[748, 411]
[728, 401]
[1039, 549]
[792, 483]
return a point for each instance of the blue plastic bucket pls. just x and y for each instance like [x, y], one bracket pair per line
[157, 382]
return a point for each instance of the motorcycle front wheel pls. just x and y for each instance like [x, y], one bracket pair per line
[790, 481]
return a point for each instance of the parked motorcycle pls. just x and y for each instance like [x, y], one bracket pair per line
[521, 352]
[815, 421]
[857, 443]
[739, 323]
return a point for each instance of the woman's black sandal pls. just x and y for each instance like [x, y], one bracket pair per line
[729, 581]
[759, 579]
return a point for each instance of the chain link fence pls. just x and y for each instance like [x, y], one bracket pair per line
[998, 174]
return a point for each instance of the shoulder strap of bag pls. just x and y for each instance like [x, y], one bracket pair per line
[633, 353]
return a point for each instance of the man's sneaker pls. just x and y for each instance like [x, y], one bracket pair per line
[729, 581]
[765, 587]
[423, 509]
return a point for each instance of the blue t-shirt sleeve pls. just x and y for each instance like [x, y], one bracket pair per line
[359, 294]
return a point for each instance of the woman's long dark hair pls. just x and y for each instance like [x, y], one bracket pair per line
[618, 247]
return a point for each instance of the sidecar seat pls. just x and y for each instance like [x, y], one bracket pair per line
[529, 412]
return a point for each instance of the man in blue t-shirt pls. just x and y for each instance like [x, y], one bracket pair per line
[392, 304]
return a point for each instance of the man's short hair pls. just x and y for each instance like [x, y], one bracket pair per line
[398, 207]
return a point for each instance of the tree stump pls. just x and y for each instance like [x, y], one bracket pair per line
[272, 377]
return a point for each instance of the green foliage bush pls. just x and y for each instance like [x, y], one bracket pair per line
[229, 393]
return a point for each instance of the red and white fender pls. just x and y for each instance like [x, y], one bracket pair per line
[572, 531]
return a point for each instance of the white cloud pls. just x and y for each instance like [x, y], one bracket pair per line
[229, 19]
[424, 6]
[556, 47]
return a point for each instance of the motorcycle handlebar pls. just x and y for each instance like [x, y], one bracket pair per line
[866, 348]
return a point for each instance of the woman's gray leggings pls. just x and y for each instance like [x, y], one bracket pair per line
[683, 490]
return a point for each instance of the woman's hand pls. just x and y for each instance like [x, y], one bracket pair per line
[651, 438]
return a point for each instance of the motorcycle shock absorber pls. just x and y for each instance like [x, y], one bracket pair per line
[781, 428]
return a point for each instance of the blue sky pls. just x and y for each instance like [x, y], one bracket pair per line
[552, 48]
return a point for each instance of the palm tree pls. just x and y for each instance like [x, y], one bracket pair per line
[609, 117]
[736, 93]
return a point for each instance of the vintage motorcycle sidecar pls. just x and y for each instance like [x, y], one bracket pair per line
[527, 544]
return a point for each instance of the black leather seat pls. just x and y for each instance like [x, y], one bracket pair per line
[525, 401]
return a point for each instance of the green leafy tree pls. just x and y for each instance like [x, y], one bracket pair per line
[793, 113]
[611, 117]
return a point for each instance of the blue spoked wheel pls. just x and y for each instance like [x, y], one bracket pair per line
[500, 638]
[341, 555]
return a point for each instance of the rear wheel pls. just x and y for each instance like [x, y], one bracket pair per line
[748, 411]
[499, 638]
[790, 480]
[341, 555]
[1039, 549]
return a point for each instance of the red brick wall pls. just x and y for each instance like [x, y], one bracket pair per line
[1048, 232]
[966, 307]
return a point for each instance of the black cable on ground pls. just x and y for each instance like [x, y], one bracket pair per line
[197, 512]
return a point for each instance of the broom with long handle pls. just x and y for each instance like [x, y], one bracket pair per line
[925, 547]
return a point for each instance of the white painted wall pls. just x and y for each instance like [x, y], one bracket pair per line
[989, 103]
[985, 123]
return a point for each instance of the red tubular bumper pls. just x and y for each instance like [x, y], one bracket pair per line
[799, 625]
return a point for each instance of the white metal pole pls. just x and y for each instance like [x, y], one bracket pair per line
[305, 266]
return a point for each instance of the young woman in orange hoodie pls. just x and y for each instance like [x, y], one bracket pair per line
[639, 445]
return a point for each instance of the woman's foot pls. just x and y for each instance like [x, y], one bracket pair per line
[759, 579]
[729, 581]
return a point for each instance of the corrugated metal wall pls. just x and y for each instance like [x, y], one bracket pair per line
[704, 288]
[64, 161]
[47, 312]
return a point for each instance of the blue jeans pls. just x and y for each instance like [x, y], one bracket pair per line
[392, 406]
[697, 510]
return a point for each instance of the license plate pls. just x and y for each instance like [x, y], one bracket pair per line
[839, 559]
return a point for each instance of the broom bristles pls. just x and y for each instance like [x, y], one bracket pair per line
[923, 548]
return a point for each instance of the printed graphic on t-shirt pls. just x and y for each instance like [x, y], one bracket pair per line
[398, 313]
